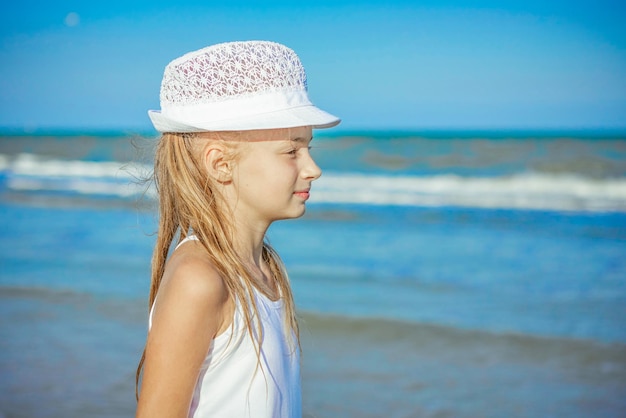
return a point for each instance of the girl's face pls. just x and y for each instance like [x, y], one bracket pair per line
[273, 174]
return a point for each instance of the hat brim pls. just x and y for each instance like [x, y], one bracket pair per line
[307, 115]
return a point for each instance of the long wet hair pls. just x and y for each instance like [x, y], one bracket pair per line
[190, 202]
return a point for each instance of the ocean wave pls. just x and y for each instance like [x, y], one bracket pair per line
[29, 172]
[379, 330]
[564, 192]
[528, 190]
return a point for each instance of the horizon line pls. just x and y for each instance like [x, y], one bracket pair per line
[593, 131]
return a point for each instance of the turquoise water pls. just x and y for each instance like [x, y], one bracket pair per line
[466, 274]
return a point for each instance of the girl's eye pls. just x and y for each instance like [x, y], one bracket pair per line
[293, 152]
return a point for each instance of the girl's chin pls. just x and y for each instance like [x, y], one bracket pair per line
[293, 214]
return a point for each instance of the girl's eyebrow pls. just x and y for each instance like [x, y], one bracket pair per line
[302, 140]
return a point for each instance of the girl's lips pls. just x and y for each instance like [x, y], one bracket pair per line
[304, 194]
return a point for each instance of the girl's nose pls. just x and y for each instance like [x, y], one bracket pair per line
[311, 170]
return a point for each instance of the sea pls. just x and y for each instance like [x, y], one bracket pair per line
[459, 274]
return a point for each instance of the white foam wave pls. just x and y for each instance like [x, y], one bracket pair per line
[520, 191]
[27, 172]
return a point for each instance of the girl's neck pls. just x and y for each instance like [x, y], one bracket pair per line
[248, 241]
[249, 245]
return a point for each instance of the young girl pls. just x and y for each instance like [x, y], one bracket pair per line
[233, 157]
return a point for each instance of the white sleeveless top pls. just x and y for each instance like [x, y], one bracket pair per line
[231, 385]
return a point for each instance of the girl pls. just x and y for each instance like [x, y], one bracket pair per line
[233, 157]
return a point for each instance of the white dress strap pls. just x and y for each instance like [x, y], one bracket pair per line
[187, 239]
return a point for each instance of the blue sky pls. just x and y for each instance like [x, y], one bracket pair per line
[377, 65]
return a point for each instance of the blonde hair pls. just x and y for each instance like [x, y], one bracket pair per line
[190, 203]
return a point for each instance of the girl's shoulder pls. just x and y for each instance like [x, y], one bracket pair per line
[190, 270]
[193, 297]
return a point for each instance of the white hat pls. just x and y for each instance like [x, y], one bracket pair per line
[237, 86]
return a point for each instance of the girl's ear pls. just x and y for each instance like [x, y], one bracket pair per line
[217, 165]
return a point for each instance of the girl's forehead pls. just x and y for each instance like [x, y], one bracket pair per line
[299, 134]
[283, 134]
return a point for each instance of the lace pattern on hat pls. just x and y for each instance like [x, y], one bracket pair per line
[230, 70]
